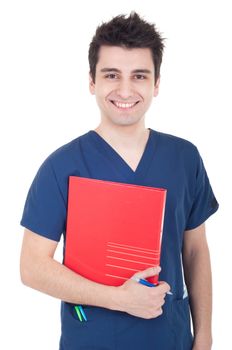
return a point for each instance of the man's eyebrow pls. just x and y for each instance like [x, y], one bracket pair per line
[142, 71]
[103, 70]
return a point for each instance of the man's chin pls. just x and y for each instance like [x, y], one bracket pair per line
[125, 120]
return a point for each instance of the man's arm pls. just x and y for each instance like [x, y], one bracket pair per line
[197, 269]
[39, 270]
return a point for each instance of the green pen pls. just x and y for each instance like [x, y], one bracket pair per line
[78, 312]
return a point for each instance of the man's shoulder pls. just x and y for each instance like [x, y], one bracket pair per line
[178, 149]
[65, 159]
[175, 140]
[67, 150]
[176, 143]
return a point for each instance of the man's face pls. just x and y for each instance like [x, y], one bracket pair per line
[124, 84]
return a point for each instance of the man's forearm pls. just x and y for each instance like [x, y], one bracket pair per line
[199, 282]
[55, 279]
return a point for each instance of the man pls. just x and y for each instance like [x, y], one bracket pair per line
[125, 57]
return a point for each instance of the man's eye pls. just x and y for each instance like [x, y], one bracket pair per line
[111, 76]
[140, 77]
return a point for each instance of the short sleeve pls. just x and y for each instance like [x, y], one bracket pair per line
[45, 208]
[204, 203]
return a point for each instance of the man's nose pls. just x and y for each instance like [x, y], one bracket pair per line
[124, 89]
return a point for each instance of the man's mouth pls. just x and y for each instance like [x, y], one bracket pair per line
[123, 105]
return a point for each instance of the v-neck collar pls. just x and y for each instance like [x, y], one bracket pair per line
[119, 163]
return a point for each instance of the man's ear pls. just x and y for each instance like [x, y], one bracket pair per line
[156, 88]
[91, 85]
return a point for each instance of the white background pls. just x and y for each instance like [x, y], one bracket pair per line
[45, 103]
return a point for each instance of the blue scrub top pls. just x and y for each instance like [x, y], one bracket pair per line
[167, 162]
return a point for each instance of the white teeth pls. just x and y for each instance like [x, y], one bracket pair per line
[124, 105]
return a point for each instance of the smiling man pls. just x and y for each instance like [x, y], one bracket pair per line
[125, 57]
[124, 85]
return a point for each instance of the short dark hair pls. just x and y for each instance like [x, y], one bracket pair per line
[131, 32]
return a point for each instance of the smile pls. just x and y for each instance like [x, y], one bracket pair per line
[123, 105]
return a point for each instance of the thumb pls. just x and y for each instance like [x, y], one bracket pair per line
[151, 271]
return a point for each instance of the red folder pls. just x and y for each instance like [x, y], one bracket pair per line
[113, 229]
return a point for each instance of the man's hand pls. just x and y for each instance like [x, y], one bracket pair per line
[142, 301]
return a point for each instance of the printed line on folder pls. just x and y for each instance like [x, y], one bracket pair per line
[121, 267]
[130, 246]
[133, 249]
[107, 274]
[134, 261]
[140, 256]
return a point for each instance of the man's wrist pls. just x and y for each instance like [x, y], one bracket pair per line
[202, 342]
[115, 299]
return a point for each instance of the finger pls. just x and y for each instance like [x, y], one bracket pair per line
[151, 271]
[164, 287]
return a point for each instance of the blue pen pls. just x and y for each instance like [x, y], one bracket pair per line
[82, 312]
[146, 283]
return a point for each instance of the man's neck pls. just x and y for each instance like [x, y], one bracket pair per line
[124, 137]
